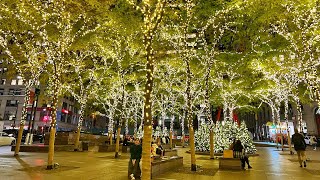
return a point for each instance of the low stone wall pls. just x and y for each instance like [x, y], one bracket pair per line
[43, 148]
[163, 166]
[68, 138]
[171, 152]
[108, 148]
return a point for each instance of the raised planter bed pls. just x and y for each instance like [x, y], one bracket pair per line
[171, 152]
[108, 148]
[216, 154]
[165, 165]
[43, 148]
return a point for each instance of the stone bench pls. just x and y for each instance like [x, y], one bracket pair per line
[171, 152]
[230, 163]
[167, 146]
[160, 166]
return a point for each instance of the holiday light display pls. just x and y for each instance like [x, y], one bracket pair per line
[40, 18]
[152, 15]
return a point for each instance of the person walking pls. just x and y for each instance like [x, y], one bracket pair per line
[300, 146]
[239, 152]
[313, 142]
[135, 155]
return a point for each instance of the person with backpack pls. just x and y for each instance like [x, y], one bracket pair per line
[300, 146]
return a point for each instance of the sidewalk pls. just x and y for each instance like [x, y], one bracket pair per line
[272, 164]
[268, 144]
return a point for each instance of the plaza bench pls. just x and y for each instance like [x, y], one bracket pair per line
[230, 160]
[160, 166]
[171, 152]
[230, 163]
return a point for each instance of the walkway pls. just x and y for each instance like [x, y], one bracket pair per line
[272, 164]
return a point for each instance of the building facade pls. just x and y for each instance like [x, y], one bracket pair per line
[12, 93]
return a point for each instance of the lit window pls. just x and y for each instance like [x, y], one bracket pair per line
[14, 82]
[20, 82]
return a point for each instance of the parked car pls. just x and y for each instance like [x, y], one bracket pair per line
[5, 139]
[38, 137]
[14, 133]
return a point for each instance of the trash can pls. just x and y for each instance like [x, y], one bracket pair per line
[85, 146]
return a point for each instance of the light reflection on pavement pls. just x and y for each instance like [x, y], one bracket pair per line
[270, 165]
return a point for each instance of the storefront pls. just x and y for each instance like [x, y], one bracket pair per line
[275, 131]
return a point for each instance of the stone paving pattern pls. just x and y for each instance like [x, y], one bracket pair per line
[271, 164]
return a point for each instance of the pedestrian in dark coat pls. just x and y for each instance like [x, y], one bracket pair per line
[134, 170]
[300, 146]
[239, 152]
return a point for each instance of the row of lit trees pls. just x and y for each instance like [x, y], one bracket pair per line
[101, 59]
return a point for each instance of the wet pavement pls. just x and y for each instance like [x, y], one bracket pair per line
[271, 164]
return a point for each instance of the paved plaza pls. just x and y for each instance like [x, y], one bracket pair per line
[271, 164]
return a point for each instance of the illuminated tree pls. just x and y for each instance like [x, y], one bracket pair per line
[57, 31]
[29, 64]
[152, 12]
[85, 76]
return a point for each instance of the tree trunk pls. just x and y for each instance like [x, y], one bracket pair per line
[183, 140]
[77, 139]
[53, 127]
[190, 120]
[146, 153]
[147, 135]
[192, 149]
[211, 144]
[151, 22]
[110, 139]
[23, 121]
[286, 115]
[117, 155]
[171, 140]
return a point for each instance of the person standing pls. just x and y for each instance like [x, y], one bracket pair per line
[300, 146]
[135, 157]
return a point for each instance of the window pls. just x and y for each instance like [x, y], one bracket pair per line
[11, 92]
[12, 103]
[14, 82]
[3, 82]
[10, 115]
[14, 91]
[3, 70]
[20, 82]
[1, 91]
[17, 92]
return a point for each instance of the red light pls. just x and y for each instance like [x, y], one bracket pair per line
[65, 111]
[46, 118]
